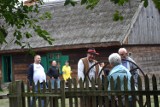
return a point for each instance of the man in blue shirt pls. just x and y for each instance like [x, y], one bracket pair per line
[130, 66]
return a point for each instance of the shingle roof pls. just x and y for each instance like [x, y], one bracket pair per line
[77, 26]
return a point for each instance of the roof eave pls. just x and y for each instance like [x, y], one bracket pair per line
[63, 47]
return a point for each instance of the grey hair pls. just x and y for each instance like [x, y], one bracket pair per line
[114, 59]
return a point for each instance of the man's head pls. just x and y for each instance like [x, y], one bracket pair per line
[114, 59]
[123, 53]
[54, 63]
[91, 53]
[37, 59]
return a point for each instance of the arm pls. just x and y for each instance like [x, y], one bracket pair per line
[49, 73]
[30, 74]
[80, 70]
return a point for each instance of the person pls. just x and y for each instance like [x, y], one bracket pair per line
[101, 73]
[118, 70]
[66, 71]
[36, 73]
[53, 73]
[130, 66]
[85, 63]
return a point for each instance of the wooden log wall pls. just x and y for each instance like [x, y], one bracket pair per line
[20, 66]
[147, 57]
[20, 62]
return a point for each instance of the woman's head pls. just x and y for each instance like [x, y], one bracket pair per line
[114, 59]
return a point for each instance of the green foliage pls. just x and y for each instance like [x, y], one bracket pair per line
[157, 3]
[119, 2]
[90, 4]
[67, 2]
[117, 16]
[21, 17]
[3, 34]
[145, 3]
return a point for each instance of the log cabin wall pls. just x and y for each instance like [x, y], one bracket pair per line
[147, 57]
[21, 61]
[20, 66]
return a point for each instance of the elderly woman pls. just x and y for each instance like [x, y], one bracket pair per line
[118, 70]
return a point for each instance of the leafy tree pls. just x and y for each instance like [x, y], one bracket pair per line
[90, 4]
[18, 16]
[13, 13]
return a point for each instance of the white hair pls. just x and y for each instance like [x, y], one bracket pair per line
[114, 59]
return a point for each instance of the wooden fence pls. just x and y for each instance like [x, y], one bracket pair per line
[90, 94]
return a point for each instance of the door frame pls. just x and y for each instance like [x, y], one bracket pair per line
[4, 67]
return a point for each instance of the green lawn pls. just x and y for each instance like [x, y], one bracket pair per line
[4, 102]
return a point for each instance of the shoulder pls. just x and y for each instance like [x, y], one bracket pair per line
[31, 65]
[130, 59]
[81, 60]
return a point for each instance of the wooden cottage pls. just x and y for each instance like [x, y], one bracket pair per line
[76, 29]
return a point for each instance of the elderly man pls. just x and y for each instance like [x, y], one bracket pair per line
[118, 70]
[130, 66]
[85, 63]
[83, 66]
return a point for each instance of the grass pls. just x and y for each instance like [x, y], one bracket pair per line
[4, 102]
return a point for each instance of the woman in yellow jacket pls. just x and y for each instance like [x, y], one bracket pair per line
[66, 70]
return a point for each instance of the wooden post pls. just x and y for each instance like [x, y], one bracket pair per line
[148, 100]
[112, 83]
[154, 82]
[1, 86]
[106, 98]
[133, 95]
[140, 98]
[23, 98]
[15, 94]
[51, 91]
[11, 99]
[62, 93]
[70, 89]
[75, 89]
[18, 89]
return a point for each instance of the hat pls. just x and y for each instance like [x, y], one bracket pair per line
[92, 51]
